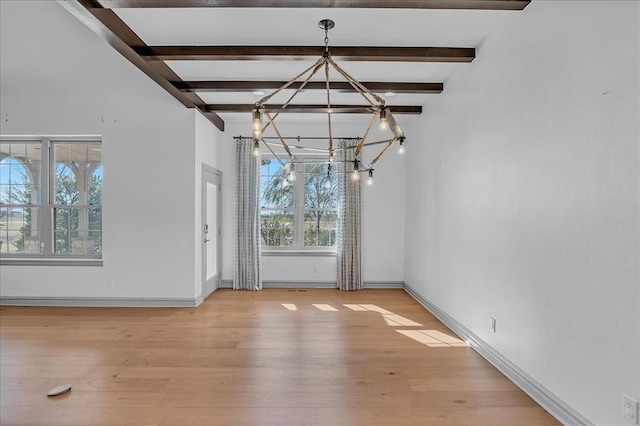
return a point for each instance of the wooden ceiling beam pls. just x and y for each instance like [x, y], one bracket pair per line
[365, 4]
[108, 26]
[338, 86]
[345, 53]
[313, 109]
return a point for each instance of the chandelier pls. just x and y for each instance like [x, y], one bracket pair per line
[379, 110]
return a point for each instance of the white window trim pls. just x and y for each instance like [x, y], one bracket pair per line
[47, 203]
[298, 248]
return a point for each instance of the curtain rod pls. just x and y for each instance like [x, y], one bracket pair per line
[316, 138]
[300, 138]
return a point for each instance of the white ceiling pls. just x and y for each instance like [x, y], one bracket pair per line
[257, 26]
[281, 26]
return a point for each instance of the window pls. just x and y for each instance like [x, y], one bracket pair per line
[299, 209]
[50, 198]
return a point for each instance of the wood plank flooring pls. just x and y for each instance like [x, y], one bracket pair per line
[242, 358]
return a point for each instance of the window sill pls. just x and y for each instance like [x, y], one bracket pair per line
[304, 253]
[50, 262]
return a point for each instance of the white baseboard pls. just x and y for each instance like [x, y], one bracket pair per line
[383, 284]
[319, 284]
[298, 284]
[543, 396]
[106, 302]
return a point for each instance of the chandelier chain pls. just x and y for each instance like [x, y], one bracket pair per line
[326, 38]
[326, 75]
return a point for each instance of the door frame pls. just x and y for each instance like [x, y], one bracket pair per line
[210, 174]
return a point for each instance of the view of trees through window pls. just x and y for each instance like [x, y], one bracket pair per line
[300, 212]
[74, 212]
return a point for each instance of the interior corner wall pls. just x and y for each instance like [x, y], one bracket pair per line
[59, 78]
[522, 200]
[383, 204]
[206, 153]
[638, 101]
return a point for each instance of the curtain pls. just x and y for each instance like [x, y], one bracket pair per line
[247, 269]
[349, 226]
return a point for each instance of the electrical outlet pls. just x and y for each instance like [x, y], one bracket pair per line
[109, 282]
[492, 323]
[630, 408]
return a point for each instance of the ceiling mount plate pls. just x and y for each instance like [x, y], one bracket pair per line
[326, 24]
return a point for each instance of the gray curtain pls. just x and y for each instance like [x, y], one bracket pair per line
[349, 226]
[247, 269]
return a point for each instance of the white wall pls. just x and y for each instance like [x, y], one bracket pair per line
[383, 204]
[58, 77]
[522, 200]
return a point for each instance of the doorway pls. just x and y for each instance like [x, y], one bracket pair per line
[211, 230]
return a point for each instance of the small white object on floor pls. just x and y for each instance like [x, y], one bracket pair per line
[59, 390]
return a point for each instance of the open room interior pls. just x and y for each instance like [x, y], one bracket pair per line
[132, 202]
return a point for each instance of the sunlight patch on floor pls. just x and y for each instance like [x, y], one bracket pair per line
[434, 338]
[400, 321]
[376, 308]
[354, 307]
[290, 306]
[324, 307]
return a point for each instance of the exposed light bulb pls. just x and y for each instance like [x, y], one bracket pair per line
[401, 147]
[292, 172]
[355, 175]
[327, 181]
[370, 178]
[384, 124]
[256, 149]
[256, 124]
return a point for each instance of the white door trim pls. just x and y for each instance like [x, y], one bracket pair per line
[210, 174]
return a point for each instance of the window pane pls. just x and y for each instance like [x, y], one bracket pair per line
[95, 229]
[320, 228]
[74, 222]
[319, 195]
[276, 228]
[20, 173]
[273, 194]
[65, 225]
[77, 173]
[19, 230]
[77, 230]
[95, 187]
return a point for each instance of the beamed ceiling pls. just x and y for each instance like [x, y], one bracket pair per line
[214, 54]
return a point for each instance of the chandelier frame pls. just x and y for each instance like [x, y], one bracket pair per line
[381, 113]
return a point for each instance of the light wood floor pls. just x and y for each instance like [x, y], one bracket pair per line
[242, 358]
